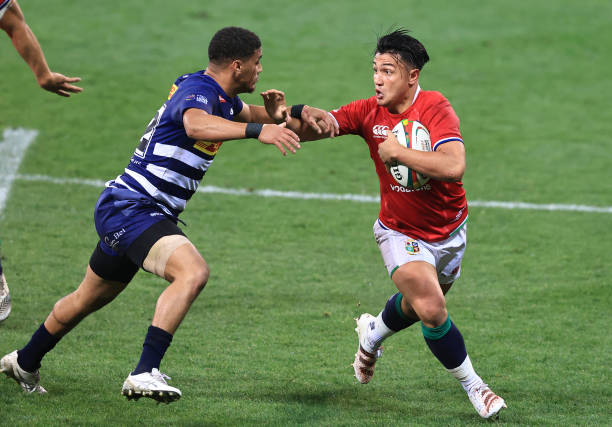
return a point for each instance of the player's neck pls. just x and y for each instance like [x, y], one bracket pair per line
[223, 79]
[405, 102]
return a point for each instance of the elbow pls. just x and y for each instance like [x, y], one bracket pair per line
[191, 132]
[454, 174]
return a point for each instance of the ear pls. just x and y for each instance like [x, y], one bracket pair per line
[236, 65]
[413, 75]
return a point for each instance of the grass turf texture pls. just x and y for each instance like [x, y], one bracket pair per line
[271, 339]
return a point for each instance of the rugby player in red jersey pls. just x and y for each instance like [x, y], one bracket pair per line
[421, 233]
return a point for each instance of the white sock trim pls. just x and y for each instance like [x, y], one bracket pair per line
[465, 374]
[376, 336]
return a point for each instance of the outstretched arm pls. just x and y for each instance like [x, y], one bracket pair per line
[200, 125]
[25, 42]
[308, 122]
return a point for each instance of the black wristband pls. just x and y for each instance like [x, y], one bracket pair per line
[253, 130]
[296, 111]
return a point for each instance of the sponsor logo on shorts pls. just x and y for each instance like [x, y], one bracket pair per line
[380, 131]
[112, 239]
[412, 247]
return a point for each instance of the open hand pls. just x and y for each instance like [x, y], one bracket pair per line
[280, 136]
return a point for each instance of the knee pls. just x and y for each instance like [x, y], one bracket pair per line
[197, 277]
[432, 312]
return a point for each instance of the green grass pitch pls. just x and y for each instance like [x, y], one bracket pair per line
[270, 340]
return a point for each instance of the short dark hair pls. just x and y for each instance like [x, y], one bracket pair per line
[409, 49]
[231, 43]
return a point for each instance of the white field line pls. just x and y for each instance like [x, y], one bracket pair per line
[13, 145]
[209, 189]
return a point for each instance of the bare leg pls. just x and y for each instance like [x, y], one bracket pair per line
[92, 294]
[188, 273]
[418, 283]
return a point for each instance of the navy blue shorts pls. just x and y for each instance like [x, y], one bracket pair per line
[128, 224]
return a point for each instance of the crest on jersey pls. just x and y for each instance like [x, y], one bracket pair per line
[412, 246]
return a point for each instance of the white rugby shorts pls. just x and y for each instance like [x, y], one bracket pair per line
[397, 249]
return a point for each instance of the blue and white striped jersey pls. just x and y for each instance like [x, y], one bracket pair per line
[4, 5]
[167, 165]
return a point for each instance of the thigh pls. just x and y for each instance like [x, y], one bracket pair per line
[172, 256]
[95, 291]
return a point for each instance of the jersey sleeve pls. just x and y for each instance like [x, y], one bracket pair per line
[238, 106]
[184, 98]
[350, 117]
[444, 125]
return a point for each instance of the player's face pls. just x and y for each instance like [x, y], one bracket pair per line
[392, 82]
[250, 71]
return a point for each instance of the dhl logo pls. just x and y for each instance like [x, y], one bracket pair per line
[209, 148]
[172, 90]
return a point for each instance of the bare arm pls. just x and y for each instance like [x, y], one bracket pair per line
[25, 42]
[255, 114]
[447, 163]
[312, 124]
[200, 125]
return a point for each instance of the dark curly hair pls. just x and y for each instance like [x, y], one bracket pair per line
[409, 49]
[231, 43]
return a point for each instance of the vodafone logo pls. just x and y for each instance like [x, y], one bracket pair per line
[380, 131]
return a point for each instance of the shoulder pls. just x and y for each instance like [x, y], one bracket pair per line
[432, 98]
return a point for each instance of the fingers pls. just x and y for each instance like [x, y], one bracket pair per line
[272, 91]
[284, 139]
[60, 84]
[72, 88]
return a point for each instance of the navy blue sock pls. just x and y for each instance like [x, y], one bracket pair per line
[155, 345]
[40, 344]
[446, 343]
[393, 316]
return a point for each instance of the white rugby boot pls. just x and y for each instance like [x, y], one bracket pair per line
[29, 381]
[5, 299]
[152, 385]
[364, 360]
[486, 403]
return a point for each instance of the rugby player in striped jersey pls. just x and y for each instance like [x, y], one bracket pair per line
[137, 213]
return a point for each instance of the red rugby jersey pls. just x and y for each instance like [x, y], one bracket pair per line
[434, 211]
